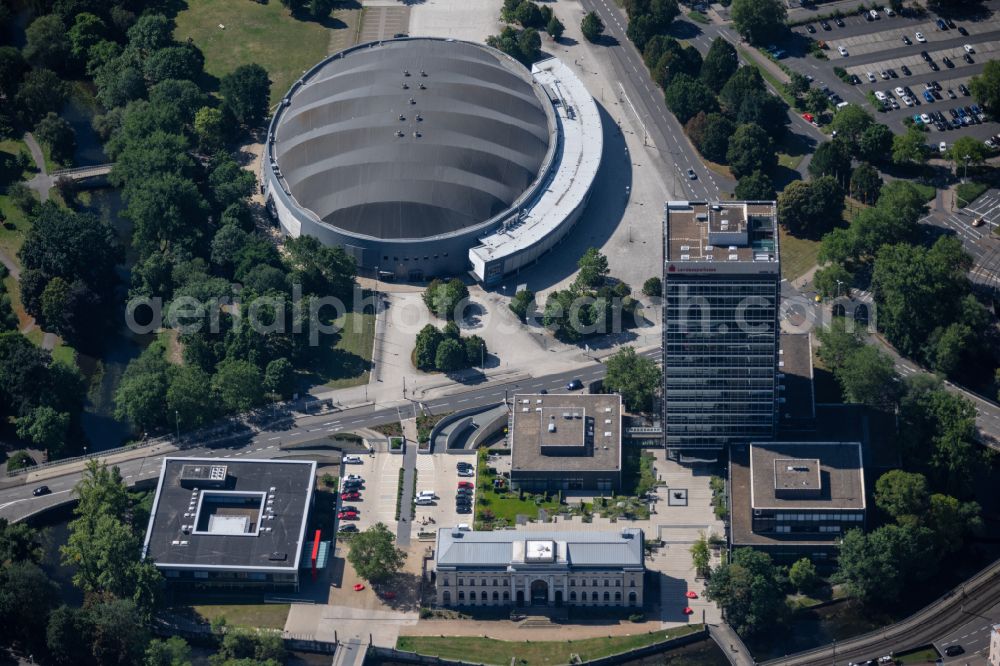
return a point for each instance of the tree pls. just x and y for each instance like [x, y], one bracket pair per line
[555, 28]
[951, 521]
[592, 27]
[750, 149]
[425, 350]
[529, 15]
[744, 82]
[816, 101]
[523, 304]
[759, 21]
[903, 496]
[756, 186]
[833, 280]
[831, 158]
[190, 400]
[720, 63]
[115, 636]
[851, 122]
[173, 651]
[593, 269]
[797, 85]
[652, 287]
[802, 575]
[27, 595]
[40, 92]
[635, 377]
[686, 96]
[909, 148]
[875, 143]
[167, 211]
[18, 543]
[142, 390]
[239, 385]
[967, 150]
[374, 555]
[64, 636]
[865, 183]
[985, 87]
[46, 428]
[869, 377]
[246, 91]
[701, 556]
[875, 566]
[210, 128]
[715, 137]
[279, 378]
[766, 110]
[150, 33]
[318, 268]
[450, 356]
[88, 29]
[58, 134]
[48, 43]
[750, 589]
[811, 209]
[12, 68]
[475, 351]
[446, 299]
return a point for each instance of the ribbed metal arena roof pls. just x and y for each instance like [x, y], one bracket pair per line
[413, 138]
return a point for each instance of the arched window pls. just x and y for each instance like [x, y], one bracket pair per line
[506, 595]
[593, 596]
[631, 598]
[607, 596]
[618, 596]
[482, 595]
[496, 596]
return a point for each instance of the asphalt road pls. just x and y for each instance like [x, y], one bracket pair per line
[17, 502]
[973, 637]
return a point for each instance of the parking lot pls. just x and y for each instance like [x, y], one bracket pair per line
[877, 47]
[378, 495]
[439, 473]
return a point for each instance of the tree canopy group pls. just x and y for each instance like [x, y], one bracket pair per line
[593, 304]
[525, 44]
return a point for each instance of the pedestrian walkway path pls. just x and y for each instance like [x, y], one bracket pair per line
[730, 643]
[409, 471]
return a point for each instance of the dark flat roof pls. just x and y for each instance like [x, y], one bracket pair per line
[795, 362]
[287, 486]
[840, 464]
[529, 432]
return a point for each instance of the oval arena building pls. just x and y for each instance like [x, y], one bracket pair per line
[426, 157]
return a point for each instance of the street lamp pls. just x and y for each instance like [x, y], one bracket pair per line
[177, 421]
[839, 282]
[376, 282]
[966, 172]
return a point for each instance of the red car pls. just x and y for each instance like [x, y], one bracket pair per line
[466, 484]
[347, 515]
[351, 495]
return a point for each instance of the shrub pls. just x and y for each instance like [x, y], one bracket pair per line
[19, 460]
[636, 617]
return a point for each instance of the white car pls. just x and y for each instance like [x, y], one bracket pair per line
[880, 96]
[889, 12]
[942, 147]
[870, 76]
[884, 74]
[352, 460]
[353, 477]
[920, 38]
[874, 14]
[427, 493]
[968, 48]
[466, 472]
[900, 92]
[925, 119]
[842, 51]
[424, 501]
[907, 100]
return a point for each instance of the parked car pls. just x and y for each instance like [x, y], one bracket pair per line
[352, 460]
[906, 40]
[463, 509]
[900, 92]
[928, 96]
[888, 11]
[350, 496]
[874, 14]
[963, 31]
[948, 63]
[839, 21]
[354, 477]
[962, 88]
[842, 51]
[926, 56]
[353, 485]
[424, 501]
[907, 100]
[920, 37]
[968, 48]
[941, 24]
[892, 73]
[825, 25]
[350, 509]
[967, 58]
[855, 80]
[347, 515]
[884, 74]
[951, 94]
[925, 119]
[880, 96]
[349, 527]
[942, 147]
[466, 484]
[905, 70]
[951, 24]
[810, 29]
[427, 493]
[933, 65]
[41, 490]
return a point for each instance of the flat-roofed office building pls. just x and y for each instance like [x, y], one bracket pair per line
[722, 286]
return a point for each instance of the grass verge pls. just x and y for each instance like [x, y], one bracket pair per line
[798, 255]
[348, 361]
[491, 651]
[263, 33]
[698, 17]
[966, 193]
[399, 492]
[266, 616]
[927, 655]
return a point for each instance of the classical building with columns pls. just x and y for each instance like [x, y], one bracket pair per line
[529, 568]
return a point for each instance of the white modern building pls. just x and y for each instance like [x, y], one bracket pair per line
[529, 568]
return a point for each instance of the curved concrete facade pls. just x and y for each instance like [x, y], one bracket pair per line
[481, 144]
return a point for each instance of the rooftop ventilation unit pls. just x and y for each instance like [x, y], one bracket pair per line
[552, 427]
[685, 257]
[406, 72]
[734, 257]
[277, 556]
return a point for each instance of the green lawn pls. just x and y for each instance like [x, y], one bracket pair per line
[698, 17]
[969, 192]
[348, 361]
[798, 255]
[927, 655]
[266, 616]
[505, 506]
[255, 32]
[490, 651]
[12, 235]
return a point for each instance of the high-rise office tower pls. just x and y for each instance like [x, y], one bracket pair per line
[722, 287]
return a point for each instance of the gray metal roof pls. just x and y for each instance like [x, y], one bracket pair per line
[352, 150]
[500, 548]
